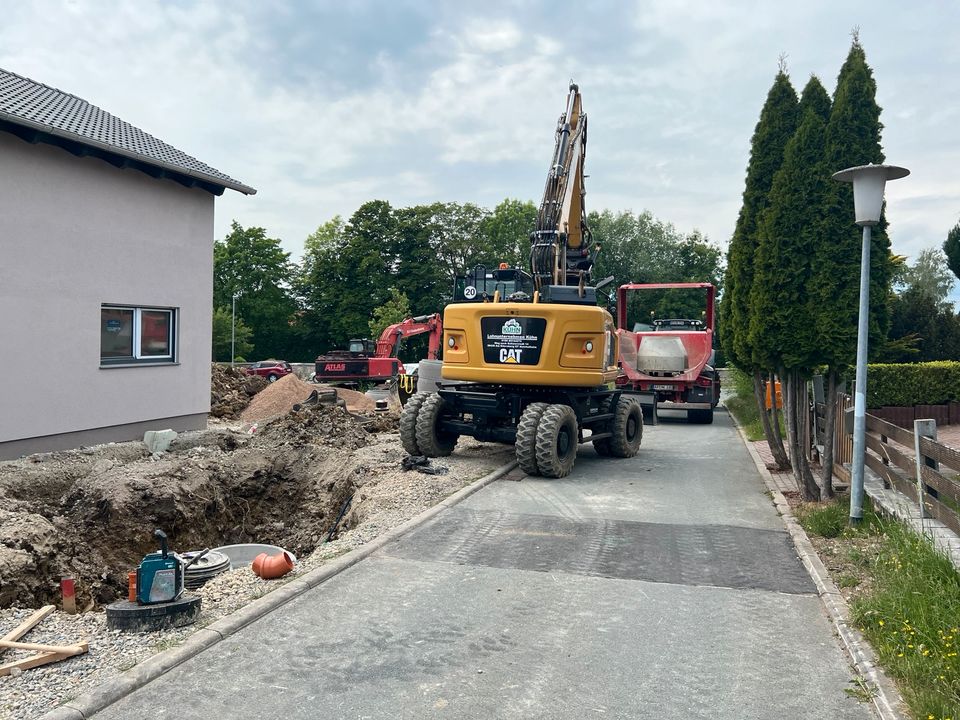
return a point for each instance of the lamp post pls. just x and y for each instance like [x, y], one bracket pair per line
[233, 329]
[868, 183]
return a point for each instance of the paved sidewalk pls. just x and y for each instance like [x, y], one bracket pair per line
[663, 586]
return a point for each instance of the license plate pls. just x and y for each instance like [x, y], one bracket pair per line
[664, 387]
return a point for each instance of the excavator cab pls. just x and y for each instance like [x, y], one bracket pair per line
[504, 283]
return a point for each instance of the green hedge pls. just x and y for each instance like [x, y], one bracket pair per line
[901, 385]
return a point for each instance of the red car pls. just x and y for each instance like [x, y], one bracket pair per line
[270, 369]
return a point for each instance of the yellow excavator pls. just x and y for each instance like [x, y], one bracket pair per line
[531, 358]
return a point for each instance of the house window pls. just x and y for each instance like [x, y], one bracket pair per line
[134, 335]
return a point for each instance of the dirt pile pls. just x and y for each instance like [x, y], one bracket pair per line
[231, 390]
[91, 513]
[280, 397]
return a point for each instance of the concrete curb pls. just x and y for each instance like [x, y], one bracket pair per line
[883, 692]
[85, 706]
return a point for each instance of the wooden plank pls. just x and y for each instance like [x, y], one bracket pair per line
[943, 485]
[23, 628]
[841, 472]
[33, 661]
[888, 452]
[943, 513]
[889, 476]
[39, 647]
[941, 453]
[904, 437]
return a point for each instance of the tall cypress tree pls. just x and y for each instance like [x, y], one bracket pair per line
[951, 246]
[782, 334]
[778, 121]
[852, 138]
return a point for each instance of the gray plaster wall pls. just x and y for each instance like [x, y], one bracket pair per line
[76, 233]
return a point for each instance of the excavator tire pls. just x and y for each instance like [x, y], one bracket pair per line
[557, 441]
[526, 445]
[627, 428]
[408, 423]
[602, 446]
[431, 439]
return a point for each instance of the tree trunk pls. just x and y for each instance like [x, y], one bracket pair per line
[789, 421]
[776, 448]
[800, 406]
[829, 425]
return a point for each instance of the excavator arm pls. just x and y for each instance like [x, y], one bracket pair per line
[389, 341]
[560, 251]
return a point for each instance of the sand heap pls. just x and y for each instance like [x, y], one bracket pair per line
[280, 397]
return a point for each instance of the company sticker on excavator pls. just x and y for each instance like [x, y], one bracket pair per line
[512, 341]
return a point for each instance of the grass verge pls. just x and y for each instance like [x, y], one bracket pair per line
[743, 405]
[905, 598]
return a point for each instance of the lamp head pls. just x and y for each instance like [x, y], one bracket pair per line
[868, 184]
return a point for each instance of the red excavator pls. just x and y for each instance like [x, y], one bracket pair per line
[368, 361]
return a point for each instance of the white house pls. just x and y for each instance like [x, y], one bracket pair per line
[106, 275]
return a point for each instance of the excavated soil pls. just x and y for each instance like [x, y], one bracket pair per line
[231, 390]
[90, 513]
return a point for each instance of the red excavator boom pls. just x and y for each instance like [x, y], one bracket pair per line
[390, 338]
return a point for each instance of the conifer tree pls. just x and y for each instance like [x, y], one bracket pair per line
[778, 121]
[782, 333]
[951, 246]
[852, 137]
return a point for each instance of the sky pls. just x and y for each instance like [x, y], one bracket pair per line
[322, 106]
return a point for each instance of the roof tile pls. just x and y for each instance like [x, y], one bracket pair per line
[27, 102]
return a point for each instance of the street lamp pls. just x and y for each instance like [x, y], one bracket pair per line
[868, 182]
[233, 329]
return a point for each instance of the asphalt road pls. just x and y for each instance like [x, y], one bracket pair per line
[663, 586]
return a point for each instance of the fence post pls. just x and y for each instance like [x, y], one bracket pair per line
[928, 429]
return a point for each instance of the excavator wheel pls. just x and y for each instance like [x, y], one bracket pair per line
[627, 428]
[408, 423]
[431, 439]
[526, 445]
[602, 446]
[557, 441]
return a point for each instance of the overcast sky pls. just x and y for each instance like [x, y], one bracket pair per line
[322, 106]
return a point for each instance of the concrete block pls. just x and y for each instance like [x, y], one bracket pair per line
[158, 441]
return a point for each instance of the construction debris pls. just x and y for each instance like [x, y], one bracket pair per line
[45, 654]
[422, 464]
[231, 390]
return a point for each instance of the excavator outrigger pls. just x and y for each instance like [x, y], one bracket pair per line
[530, 358]
[364, 360]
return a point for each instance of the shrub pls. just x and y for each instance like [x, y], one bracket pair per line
[904, 385]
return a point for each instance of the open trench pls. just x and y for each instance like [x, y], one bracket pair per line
[90, 513]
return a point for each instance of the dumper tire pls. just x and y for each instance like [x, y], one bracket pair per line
[557, 441]
[627, 428]
[408, 423]
[700, 417]
[432, 440]
[526, 445]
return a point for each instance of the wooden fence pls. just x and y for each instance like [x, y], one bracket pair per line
[891, 453]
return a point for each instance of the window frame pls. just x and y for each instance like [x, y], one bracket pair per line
[138, 358]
